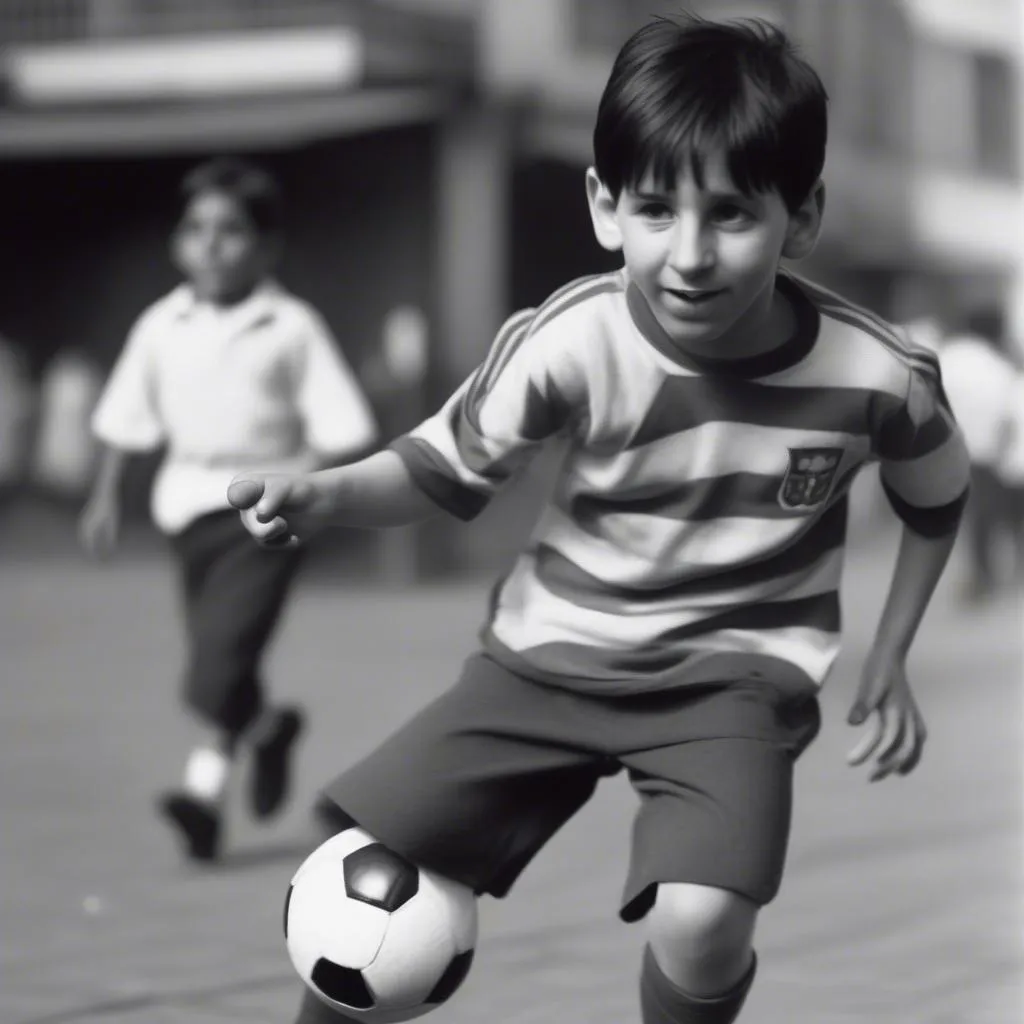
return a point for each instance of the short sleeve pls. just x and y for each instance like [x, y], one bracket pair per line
[521, 395]
[336, 415]
[127, 415]
[925, 468]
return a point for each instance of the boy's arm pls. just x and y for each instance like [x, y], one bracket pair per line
[100, 523]
[899, 733]
[126, 420]
[375, 492]
[526, 390]
[925, 473]
[339, 424]
[920, 562]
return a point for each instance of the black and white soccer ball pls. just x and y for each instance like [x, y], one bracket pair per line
[373, 936]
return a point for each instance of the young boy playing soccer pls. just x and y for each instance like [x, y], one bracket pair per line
[227, 372]
[676, 608]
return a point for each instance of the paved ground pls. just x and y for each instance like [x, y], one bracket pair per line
[903, 901]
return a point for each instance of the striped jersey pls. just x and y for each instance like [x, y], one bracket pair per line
[696, 530]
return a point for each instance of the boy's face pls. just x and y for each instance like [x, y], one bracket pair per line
[218, 248]
[705, 255]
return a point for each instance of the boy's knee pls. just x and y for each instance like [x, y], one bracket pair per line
[701, 931]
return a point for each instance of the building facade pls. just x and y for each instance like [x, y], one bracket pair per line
[924, 172]
[435, 150]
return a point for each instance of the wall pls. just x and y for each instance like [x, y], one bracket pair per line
[85, 243]
[86, 240]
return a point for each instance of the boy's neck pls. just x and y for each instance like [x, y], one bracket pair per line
[227, 300]
[769, 340]
[762, 330]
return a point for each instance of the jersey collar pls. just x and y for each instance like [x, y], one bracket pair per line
[791, 352]
[259, 306]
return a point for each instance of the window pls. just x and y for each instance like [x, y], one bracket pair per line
[603, 25]
[943, 114]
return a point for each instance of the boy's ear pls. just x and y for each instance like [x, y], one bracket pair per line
[602, 213]
[805, 225]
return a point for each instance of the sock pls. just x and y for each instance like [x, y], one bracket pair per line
[662, 1002]
[206, 774]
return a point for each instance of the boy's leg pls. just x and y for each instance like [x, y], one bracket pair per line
[232, 618]
[233, 593]
[664, 1002]
[475, 784]
[709, 846]
[472, 786]
[241, 604]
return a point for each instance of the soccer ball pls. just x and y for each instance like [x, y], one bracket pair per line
[374, 936]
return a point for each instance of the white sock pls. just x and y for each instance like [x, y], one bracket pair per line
[206, 774]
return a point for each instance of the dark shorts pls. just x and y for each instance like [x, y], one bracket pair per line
[476, 783]
[233, 593]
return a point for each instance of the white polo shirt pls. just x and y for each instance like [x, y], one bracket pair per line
[979, 382]
[259, 385]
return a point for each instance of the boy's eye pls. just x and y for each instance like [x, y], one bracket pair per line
[655, 210]
[731, 214]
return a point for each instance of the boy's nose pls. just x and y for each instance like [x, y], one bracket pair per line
[692, 249]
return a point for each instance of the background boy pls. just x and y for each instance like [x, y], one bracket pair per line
[228, 371]
[676, 608]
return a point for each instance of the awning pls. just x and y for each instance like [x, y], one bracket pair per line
[269, 122]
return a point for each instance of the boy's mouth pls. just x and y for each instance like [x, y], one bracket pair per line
[694, 296]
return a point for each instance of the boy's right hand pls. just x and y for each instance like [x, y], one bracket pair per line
[276, 510]
[99, 526]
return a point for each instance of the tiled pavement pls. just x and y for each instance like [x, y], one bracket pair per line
[902, 902]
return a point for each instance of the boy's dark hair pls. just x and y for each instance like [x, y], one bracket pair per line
[682, 86]
[254, 189]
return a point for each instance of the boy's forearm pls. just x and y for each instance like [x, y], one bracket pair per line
[375, 492]
[334, 459]
[919, 566]
[110, 473]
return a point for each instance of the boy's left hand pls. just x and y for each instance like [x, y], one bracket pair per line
[898, 731]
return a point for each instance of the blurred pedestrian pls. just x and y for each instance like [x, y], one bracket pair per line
[1011, 473]
[18, 401]
[65, 452]
[979, 380]
[227, 371]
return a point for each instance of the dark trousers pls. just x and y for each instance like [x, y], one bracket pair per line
[233, 593]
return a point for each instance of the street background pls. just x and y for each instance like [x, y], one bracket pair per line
[903, 901]
[432, 154]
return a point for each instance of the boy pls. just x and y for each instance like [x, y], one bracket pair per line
[228, 371]
[980, 386]
[676, 607]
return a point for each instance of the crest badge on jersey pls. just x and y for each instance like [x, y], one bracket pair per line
[809, 476]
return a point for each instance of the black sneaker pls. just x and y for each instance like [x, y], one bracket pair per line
[197, 822]
[271, 763]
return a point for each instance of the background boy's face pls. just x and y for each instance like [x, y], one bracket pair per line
[219, 249]
[704, 255]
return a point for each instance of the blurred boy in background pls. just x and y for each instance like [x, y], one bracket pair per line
[229, 371]
[1011, 471]
[979, 379]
